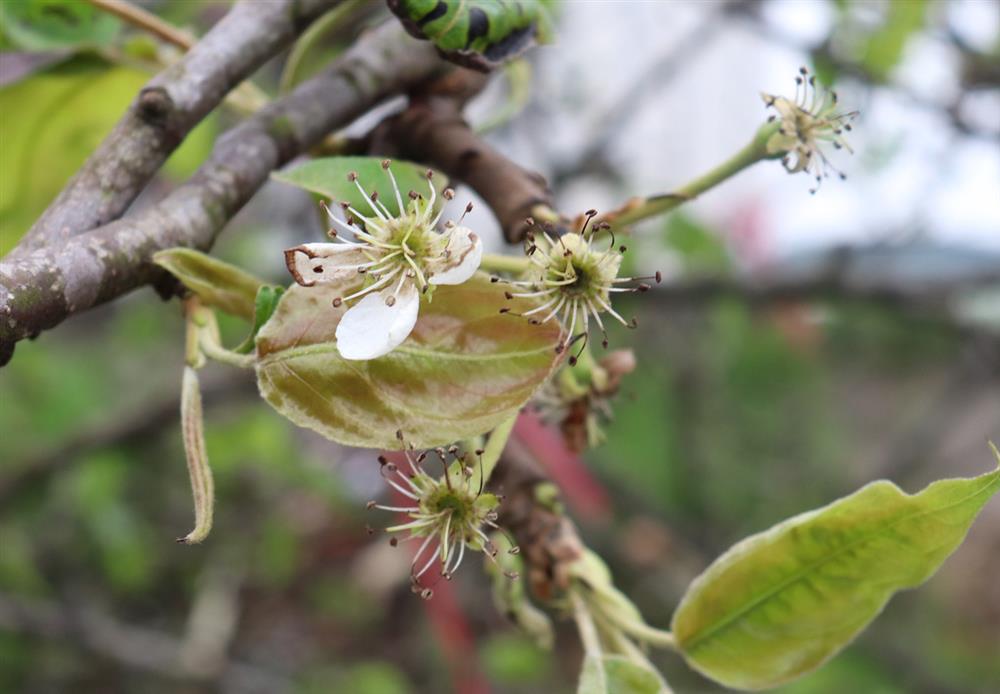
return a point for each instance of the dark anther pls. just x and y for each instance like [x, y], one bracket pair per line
[352, 176]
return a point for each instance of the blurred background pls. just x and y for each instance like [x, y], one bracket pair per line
[776, 371]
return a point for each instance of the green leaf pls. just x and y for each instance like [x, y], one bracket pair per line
[480, 34]
[264, 307]
[615, 674]
[218, 284]
[38, 25]
[782, 602]
[329, 177]
[463, 370]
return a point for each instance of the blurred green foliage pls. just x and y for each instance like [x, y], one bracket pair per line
[58, 124]
[738, 417]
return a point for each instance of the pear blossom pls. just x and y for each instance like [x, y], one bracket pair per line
[447, 514]
[399, 258]
[574, 279]
[807, 124]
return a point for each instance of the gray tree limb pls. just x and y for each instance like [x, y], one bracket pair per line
[166, 110]
[41, 288]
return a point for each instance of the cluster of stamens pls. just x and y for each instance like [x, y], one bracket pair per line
[447, 514]
[807, 123]
[574, 280]
[401, 249]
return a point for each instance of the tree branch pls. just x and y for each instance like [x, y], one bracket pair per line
[432, 130]
[846, 273]
[547, 538]
[165, 110]
[40, 289]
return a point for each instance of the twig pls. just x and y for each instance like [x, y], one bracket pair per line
[841, 276]
[637, 209]
[39, 290]
[548, 539]
[163, 113]
[432, 130]
[147, 21]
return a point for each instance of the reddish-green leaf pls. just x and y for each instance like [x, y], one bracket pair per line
[464, 368]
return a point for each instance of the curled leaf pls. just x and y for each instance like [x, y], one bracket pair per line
[218, 284]
[202, 486]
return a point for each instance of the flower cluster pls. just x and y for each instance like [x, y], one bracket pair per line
[580, 407]
[447, 513]
[574, 279]
[399, 258]
[807, 123]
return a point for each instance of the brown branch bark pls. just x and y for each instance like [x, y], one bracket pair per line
[432, 130]
[40, 289]
[165, 110]
[547, 538]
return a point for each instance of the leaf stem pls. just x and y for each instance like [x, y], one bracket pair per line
[213, 350]
[637, 209]
[147, 21]
[495, 445]
[585, 625]
[246, 97]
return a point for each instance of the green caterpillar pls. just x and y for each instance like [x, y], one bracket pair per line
[480, 34]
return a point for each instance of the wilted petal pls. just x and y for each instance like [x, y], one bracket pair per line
[372, 328]
[312, 263]
[459, 259]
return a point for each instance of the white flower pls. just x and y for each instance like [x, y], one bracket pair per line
[574, 280]
[400, 258]
[807, 123]
[447, 513]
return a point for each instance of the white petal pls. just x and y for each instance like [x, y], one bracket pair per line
[372, 328]
[465, 252]
[312, 263]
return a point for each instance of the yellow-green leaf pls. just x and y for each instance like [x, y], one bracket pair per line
[782, 602]
[464, 368]
[217, 284]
